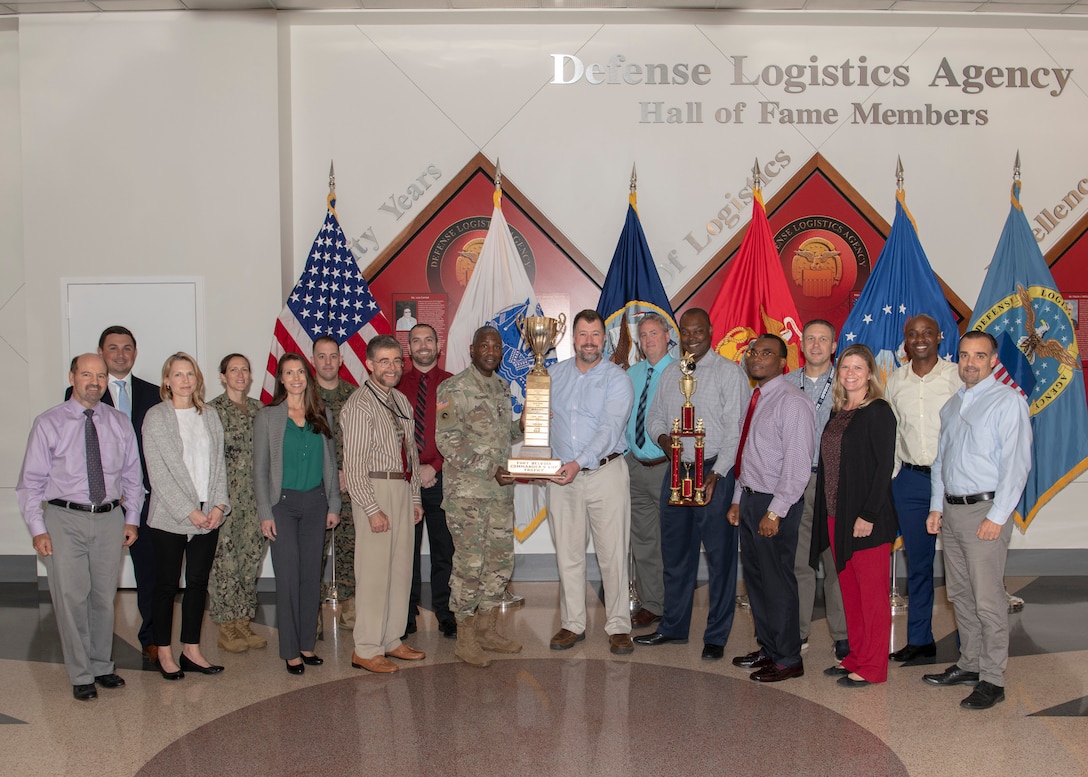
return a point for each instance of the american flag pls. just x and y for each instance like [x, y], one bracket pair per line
[331, 298]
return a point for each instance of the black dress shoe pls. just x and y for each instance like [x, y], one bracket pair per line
[295, 668]
[312, 660]
[753, 660]
[836, 671]
[713, 652]
[178, 675]
[953, 675]
[849, 682]
[448, 627]
[984, 696]
[911, 652]
[657, 638]
[109, 680]
[188, 665]
[84, 692]
[776, 674]
[842, 648]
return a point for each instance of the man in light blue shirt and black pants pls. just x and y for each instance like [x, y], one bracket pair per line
[982, 464]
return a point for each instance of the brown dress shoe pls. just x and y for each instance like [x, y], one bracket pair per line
[378, 664]
[406, 653]
[644, 618]
[621, 644]
[564, 639]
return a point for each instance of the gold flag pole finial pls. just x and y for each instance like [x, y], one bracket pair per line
[898, 173]
[1016, 167]
[634, 179]
[332, 179]
[757, 179]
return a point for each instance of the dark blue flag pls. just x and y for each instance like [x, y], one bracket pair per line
[631, 289]
[901, 286]
[1020, 304]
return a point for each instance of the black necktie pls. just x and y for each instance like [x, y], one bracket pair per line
[640, 416]
[421, 413]
[96, 480]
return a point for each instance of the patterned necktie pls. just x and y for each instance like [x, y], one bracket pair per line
[744, 432]
[421, 412]
[96, 480]
[124, 404]
[640, 416]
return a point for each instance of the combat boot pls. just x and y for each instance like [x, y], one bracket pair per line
[468, 650]
[490, 639]
[347, 614]
[230, 639]
[253, 639]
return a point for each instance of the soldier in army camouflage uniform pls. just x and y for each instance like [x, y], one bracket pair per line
[335, 393]
[474, 428]
[238, 555]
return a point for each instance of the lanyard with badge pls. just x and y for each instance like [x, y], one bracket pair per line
[826, 388]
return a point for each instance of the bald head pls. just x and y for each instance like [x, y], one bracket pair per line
[89, 378]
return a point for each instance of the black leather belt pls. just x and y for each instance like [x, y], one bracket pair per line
[751, 491]
[918, 468]
[607, 459]
[970, 499]
[102, 508]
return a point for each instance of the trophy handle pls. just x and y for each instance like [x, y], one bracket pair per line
[519, 322]
[560, 328]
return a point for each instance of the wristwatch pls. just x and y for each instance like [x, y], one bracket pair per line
[772, 515]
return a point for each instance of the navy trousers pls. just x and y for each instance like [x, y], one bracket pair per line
[910, 491]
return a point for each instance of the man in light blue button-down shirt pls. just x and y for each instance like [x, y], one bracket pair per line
[591, 401]
[982, 464]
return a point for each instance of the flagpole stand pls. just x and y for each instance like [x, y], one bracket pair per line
[510, 600]
[898, 603]
[633, 600]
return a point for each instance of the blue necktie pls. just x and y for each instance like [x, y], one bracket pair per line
[124, 404]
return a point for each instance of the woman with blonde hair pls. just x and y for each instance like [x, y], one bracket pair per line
[855, 514]
[183, 447]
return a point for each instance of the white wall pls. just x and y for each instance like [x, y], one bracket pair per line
[149, 144]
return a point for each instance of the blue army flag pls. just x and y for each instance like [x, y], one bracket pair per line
[902, 285]
[497, 294]
[1020, 304]
[631, 289]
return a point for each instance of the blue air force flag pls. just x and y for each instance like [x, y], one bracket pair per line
[1021, 306]
[901, 286]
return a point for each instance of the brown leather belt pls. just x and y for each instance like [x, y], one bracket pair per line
[650, 462]
[102, 508]
[607, 459]
[386, 475]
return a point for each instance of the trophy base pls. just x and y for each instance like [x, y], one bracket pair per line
[531, 468]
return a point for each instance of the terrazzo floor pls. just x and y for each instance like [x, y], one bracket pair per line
[660, 711]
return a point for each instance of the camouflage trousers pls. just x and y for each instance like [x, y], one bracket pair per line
[344, 553]
[483, 556]
[237, 564]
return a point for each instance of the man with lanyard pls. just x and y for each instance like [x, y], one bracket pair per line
[917, 391]
[818, 346]
[647, 465]
[982, 464]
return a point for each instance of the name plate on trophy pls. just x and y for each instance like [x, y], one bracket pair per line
[535, 459]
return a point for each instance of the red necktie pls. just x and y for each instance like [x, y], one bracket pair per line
[744, 432]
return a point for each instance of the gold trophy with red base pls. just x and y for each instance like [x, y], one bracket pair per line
[687, 486]
[541, 333]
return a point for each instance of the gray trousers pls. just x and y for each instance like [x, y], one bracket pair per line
[806, 575]
[296, 561]
[974, 576]
[83, 573]
[646, 532]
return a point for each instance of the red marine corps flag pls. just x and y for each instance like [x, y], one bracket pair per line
[754, 298]
[331, 298]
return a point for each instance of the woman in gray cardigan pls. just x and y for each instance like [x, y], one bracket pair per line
[298, 498]
[183, 447]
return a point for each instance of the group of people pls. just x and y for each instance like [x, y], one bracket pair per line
[820, 466]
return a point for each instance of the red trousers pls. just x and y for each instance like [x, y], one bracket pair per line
[866, 587]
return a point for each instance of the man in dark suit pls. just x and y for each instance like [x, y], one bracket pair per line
[133, 397]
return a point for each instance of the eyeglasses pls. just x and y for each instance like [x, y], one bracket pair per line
[766, 353]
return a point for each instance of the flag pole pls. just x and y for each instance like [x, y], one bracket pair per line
[897, 601]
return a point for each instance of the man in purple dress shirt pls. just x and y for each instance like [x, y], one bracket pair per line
[774, 460]
[72, 506]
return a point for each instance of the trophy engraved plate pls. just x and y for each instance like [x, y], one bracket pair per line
[535, 460]
[686, 486]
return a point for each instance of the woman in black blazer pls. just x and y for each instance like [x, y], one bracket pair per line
[855, 514]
